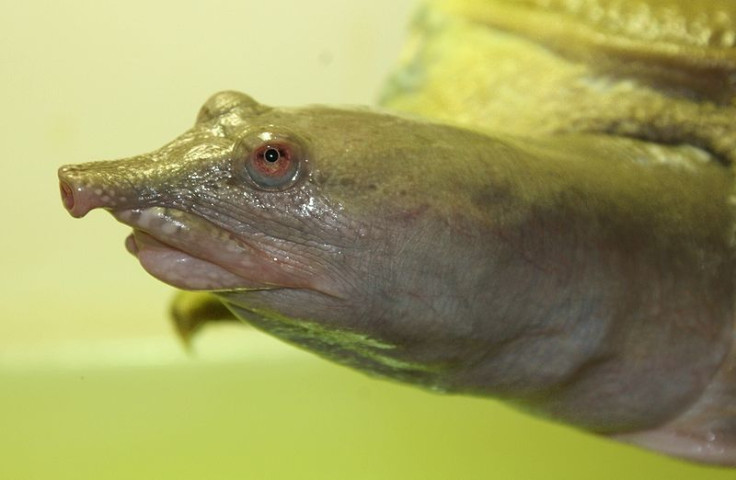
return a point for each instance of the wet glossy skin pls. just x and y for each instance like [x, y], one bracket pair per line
[586, 277]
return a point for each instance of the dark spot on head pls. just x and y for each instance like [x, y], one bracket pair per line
[490, 197]
[346, 182]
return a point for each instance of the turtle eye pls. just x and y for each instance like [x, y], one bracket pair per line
[274, 165]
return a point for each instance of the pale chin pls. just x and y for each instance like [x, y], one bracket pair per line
[177, 268]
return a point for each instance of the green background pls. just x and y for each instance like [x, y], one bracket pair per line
[93, 384]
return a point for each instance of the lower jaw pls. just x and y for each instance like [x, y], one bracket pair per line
[178, 268]
[189, 252]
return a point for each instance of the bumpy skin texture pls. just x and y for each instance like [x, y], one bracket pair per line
[569, 247]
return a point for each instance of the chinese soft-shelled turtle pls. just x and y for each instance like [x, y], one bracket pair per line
[558, 230]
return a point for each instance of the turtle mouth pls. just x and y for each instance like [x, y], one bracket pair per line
[189, 252]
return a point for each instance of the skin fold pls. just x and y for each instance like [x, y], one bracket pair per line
[573, 258]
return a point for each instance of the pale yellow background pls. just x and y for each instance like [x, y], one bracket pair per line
[93, 385]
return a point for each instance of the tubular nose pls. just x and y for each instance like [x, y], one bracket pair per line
[67, 195]
[76, 195]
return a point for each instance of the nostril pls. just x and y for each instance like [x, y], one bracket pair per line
[67, 195]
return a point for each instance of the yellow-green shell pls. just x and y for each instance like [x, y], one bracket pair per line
[662, 70]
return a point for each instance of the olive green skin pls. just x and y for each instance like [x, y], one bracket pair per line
[560, 234]
[588, 278]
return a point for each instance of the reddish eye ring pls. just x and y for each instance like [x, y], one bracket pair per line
[272, 161]
[274, 164]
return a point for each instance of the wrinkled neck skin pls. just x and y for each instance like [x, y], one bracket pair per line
[588, 278]
[560, 281]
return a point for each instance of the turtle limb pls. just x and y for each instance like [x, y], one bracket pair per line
[190, 311]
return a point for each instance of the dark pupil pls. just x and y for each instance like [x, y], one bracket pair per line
[271, 155]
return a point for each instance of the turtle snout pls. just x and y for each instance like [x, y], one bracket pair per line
[81, 192]
[67, 195]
